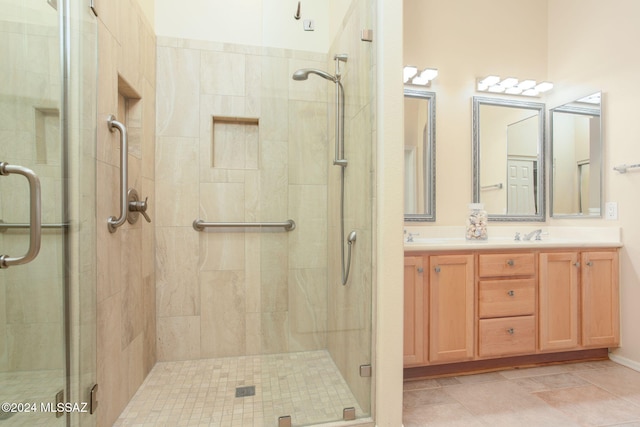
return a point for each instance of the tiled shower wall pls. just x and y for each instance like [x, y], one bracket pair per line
[31, 297]
[350, 307]
[126, 328]
[229, 292]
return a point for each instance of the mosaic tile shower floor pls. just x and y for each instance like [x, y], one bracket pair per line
[307, 386]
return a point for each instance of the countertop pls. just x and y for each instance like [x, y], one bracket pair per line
[439, 238]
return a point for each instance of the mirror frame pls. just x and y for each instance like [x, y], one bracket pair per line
[478, 101]
[587, 111]
[429, 158]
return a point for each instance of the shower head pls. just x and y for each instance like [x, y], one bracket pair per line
[303, 74]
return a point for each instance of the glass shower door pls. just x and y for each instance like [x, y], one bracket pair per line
[32, 319]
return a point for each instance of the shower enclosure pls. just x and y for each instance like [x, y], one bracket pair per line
[46, 342]
[260, 314]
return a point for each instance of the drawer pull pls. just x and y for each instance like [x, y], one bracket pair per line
[511, 293]
[437, 269]
[589, 263]
[577, 264]
[511, 263]
[420, 270]
[511, 331]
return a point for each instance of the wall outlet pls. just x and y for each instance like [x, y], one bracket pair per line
[611, 210]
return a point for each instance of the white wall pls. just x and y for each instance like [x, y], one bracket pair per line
[600, 37]
[268, 23]
[466, 40]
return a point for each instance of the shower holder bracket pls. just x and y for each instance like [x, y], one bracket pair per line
[284, 421]
[349, 414]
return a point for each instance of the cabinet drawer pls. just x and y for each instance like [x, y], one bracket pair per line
[499, 265]
[508, 335]
[501, 298]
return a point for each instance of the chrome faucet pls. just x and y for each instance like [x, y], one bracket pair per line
[410, 236]
[536, 233]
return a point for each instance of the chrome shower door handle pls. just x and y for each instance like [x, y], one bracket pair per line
[35, 215]
[113, 222]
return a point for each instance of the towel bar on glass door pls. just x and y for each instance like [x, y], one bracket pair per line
[200, 225]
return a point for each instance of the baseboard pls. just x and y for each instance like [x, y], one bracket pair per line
[625, 362]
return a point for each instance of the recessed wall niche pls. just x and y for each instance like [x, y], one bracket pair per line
[235, 142]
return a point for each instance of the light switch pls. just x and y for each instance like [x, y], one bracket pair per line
[611, 210]
[309, 25]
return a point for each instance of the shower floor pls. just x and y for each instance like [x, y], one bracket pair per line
[30, 387]
[307, 386]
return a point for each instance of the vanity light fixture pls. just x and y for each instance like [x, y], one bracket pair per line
[423, 78]
[512, 86]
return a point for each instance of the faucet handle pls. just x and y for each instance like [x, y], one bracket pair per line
[517, 236]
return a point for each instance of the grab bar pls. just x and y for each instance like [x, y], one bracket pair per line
[200, 225]
[35, 215]
[4, 226]
[113, 222]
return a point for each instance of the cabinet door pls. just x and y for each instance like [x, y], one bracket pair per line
[600, 299]
[558, 300]
[414, 312]
[451, 303]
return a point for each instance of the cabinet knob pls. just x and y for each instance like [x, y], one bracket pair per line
[577, 264]
[420, 269]
[589, 263]
[511, 331]
[511, 293]
[437, 269]
[511, 263]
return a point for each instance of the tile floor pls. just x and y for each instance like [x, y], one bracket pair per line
[307, 386]
[580, 394]
[31, 387]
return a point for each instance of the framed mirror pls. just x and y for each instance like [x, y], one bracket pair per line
[508, 158]
[419, 155]
[576, 154]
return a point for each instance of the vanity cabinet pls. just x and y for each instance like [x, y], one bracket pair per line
[438, 309]
[506, 304]
[415, 312]
[579, 300]
[451, 307]
[481, 307]
[600, 301]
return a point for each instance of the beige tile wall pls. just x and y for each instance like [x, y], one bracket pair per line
[31, 297]
[228, 292]
[126, 297]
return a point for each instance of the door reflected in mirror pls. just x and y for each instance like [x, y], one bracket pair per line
[576, 144]
[508, 158]
[419, 155]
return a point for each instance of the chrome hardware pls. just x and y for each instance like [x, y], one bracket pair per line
[589, 263]
[517, 236]
[93, 399]
[511, 263]
[577, 264]
[437, 269]
[35, 215]
[511, 293]
[297, 14]
[420, 269]
[535, 233]
[365, 371]
[349, 414]
[366, 35]
[59, 398]
[12, 226]
[511, 331]
[92, 5]
[113, 222]
[200, 225]
[136, 207]
[411, 236]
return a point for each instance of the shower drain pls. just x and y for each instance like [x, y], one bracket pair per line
[246, 391]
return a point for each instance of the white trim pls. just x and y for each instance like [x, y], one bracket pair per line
[625, 362]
